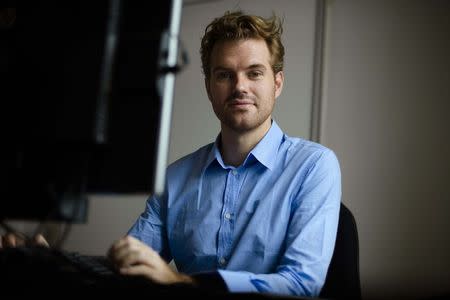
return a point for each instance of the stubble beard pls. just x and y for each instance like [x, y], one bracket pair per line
[242, 122]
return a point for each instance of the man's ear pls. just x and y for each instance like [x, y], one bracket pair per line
[279, 80]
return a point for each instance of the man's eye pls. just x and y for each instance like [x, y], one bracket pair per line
[223, 75]
[255, 74]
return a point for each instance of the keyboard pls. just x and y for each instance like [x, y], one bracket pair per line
[44, 269]
[35, 270]
[93, 265]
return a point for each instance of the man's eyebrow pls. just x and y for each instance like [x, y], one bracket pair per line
[220, 69]
[257, 66]
[253, 66]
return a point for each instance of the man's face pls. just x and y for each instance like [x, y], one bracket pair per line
[242, 87]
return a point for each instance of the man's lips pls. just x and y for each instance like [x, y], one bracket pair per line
[241, 102]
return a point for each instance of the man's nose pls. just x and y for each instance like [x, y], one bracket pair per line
[241, 83]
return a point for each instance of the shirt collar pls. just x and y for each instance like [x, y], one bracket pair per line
[265, 151]
[214, 154]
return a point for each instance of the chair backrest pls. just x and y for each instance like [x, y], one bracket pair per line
[342, 281]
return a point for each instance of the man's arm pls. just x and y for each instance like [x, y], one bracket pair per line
[150, 227]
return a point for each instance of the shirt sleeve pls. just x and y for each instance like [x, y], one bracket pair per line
[150, 227]
[310, 237]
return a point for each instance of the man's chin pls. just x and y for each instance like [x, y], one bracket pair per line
[242, 126]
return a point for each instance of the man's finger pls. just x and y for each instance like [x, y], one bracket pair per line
[138, 270]
[9, 240]
[40, 240]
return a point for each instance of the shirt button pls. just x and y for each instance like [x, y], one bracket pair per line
[227, 216]
[234, 172]
[222, 261]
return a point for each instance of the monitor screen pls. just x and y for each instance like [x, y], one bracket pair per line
[86, 104]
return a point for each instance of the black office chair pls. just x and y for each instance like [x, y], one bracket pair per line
[342, 281]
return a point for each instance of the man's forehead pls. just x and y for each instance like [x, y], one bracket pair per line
[249, 52]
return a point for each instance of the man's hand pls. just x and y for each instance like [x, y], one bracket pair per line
[13, 240]
[132, 257]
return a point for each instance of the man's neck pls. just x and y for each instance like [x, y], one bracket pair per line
[235, 146]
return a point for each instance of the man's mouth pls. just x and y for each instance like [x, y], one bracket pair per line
[241, 102]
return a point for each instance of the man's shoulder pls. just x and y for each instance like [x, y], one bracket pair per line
[197, 157]
[304, 146]
[303, 152]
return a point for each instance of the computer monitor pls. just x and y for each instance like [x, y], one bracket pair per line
[86, 104]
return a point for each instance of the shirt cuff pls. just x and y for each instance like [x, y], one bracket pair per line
[238, 282]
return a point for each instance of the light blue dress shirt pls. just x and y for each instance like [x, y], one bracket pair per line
[268, 225]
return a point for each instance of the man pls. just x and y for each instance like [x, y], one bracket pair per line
[256, 211]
